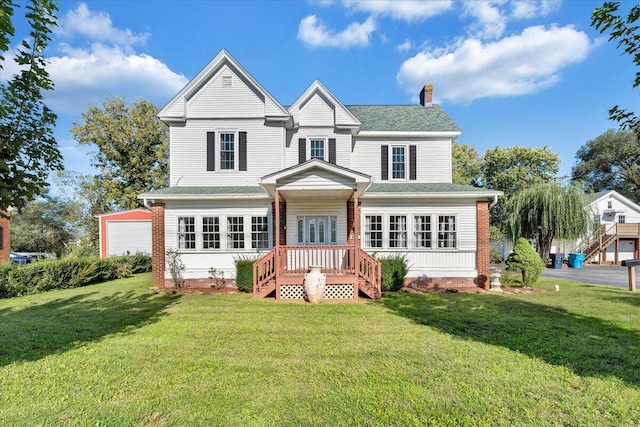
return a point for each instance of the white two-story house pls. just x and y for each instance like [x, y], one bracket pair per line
[316, 182]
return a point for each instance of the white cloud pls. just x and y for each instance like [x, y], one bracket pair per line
[83, 77]
[314, 33]
[405, 10]
[97, 26]
[530, 9]
[517, 65]
[490, 21]
[403, 47]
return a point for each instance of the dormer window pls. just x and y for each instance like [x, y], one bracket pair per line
[317, 148]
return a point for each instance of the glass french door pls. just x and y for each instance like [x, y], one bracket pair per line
[317, 230]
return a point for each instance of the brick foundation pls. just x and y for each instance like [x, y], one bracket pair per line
[433, 283]
[157, 245]
[483, 244]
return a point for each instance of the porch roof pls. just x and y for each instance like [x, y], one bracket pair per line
[428, 190]
[206, 192]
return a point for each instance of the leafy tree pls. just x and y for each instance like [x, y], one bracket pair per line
[625, 31]
[132, 149]
[44, 225]
[514, 169]
[549, 211]
[610, 162]
[467, 164]
[525, 259]
[28, 149]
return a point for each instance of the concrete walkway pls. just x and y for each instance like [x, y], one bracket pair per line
[612, 275]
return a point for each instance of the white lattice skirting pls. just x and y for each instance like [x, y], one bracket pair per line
[330, 292]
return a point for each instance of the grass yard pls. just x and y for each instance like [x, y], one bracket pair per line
[113, 355]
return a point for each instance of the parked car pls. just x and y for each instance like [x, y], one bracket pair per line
[19, 259]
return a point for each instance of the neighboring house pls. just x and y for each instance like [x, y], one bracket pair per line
[125, 233]
[317, 182]
[5, 239]
[618, 238]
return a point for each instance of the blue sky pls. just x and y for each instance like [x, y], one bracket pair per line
[529, 73]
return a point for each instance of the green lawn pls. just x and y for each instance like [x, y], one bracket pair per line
[113, 355]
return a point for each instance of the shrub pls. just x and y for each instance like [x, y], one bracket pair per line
[394, 270]
[16, 279]
[176, 267]
[526, 260]
[244, 273]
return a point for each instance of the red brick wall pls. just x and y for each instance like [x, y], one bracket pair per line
[483, 251]
[157, 245]
[6, 240]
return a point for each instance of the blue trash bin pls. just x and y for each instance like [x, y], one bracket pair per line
[556, 260]
[576, 260]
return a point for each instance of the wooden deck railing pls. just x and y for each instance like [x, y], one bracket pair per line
[296, 260]
[264, 270]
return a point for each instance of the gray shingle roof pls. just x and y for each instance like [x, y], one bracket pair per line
[210, 190]
[421, 187]
[407, 118]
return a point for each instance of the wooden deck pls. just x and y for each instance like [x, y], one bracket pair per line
[594, 249]
[349, 270]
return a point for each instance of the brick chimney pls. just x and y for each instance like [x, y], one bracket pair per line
[426, 95]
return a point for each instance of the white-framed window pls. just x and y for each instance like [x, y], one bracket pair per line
[422, 231]
[317, 229]
[186, 232]
[622, 219]
[227, 149]
[235, 232]
[398, 162]
[259, 232]
[609, 204]
[373, 231]
[397, 231]
[210, 232]
[447, 236]
[317, 148]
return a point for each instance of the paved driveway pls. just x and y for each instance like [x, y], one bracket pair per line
[612, 275]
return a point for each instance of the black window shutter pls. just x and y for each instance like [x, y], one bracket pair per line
[384, 164]
[332, 150]
[412, 163]
[302, 150]
[242, 146]
[211, 151]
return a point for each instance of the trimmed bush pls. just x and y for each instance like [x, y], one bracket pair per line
[17, 279]
[394, 271]
[244, 273]
[526, 260]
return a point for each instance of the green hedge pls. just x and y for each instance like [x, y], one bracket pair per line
[17, 279]
[394, 270]
[244, 274]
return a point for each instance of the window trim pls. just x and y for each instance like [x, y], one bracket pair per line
[236, 150]
[224, 234]
[397, 238]
[405, 148]
[425, 233]
[325, 147]
[454, 232]
[381, 231]
[330, 221]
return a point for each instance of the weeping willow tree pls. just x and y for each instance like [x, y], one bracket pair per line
[549, 211]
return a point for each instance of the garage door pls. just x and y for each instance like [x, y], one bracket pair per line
[128, 236]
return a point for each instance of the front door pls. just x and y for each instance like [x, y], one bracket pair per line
[317, 230]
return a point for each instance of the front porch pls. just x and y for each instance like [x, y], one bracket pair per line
[350, 271]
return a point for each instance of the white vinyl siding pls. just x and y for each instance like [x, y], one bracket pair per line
[433, 157]
[316, 112]
[127, 237]
[188, 152]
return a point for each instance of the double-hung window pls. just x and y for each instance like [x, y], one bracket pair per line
[317, 149]
[373, 231]
[227, 150]
[397, 231]
[422, 231]
[210, 232]
[186, 232]
[447, 231]
[398, 162]
[259, 232]
[235, 232]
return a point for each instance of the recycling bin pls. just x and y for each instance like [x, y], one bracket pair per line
[556, 260]
[576, 260]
